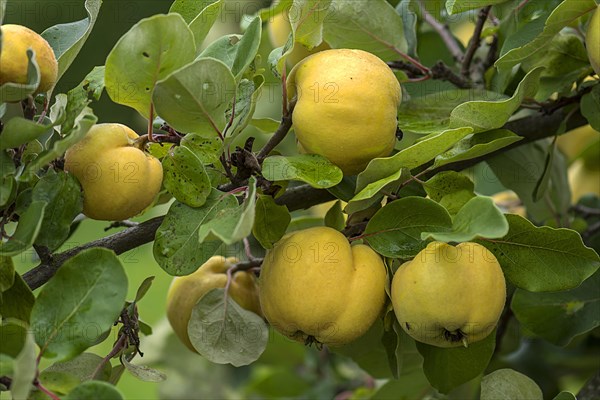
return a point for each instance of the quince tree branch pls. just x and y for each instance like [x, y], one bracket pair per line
[299, 197]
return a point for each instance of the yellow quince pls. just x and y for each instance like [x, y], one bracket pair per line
[186, 291]
[346, 107]
[449, 296]
[315, 287]
[16, 39]
[118, 179]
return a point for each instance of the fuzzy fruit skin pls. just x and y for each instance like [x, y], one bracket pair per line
[186, 291]
[118, 180]
[592, 40]
[313, 284]
[447, 288]
[16, 39]
[279, 30]
[346, 107]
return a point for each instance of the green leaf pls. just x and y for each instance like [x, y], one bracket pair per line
[451, 189]
[27, 230]
[488, 115]
[565, 396]
[509, 384]
[431, 113]
[459, 6]
[143, 372]
[25, 369]
[395, 230]
[94, 390]
[373, 192]
[476, 146]
[266, 125]
[590, 107]
[143, 288]
[447, 182]
[247, 95]
[372, 25]
[271, 221]
[79, 120]
[519, 169]
[62, 194]
[225, 333]
[369, 352]
[479, 217]
[235, 51]
[67, 39]
[152, 49]
[13, 335]
[313, 169]
[447, 368]
[83, 367]
[560, 316]
[541, 186]
[185, 177]
[7, 275]
[407, 387]
[17, 301]
[18, 131]
[418, 154]
[231, 226]
[309, 31]
[207, 148]
[565, 14]
[334, 218]
[194, 98]
[13, 92]
[542, 259]
[199, 15]
[176, 247]
[8, 189]
[64, 330]
[58, 382]
[2, 9]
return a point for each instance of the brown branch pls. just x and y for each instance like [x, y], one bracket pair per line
[279, 135]
[475, 41]
[442, 72]
[295, 198]
[444, 33]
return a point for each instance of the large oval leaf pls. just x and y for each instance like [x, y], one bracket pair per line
[91, 287]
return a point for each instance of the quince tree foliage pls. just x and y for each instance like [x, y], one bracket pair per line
[411, 131]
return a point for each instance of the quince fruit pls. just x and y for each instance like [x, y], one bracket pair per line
[509, 203]
[186, 291]
[118, 179]
[346, 107]
[16, 39]
[316, 288]
[592, 40]
[449, 296]
[279, 30]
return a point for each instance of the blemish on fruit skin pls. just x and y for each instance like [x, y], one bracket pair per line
[146, 54]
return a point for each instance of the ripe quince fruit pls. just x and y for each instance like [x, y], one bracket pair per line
[279, 30]
[449, 296]
[346, 107]
[118, 179]
[592, 40]
[16, 39]
[186, 291]
[509, 203]
[316, 288]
